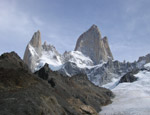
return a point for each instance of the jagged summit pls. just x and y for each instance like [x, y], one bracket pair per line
[37, 54]
[107, 48]
[91, 44]
[36, 39]
[94, 28]
[33, 50]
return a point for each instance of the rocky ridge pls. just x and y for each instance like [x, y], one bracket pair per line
[106, 72]
[47, 92]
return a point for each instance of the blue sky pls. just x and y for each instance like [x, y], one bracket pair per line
[126, 23]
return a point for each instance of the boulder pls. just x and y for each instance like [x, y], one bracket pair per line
[129, 77]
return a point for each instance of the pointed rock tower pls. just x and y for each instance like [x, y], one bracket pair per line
[33, 51]
[91, 44]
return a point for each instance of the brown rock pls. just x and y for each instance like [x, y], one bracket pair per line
[88, 110]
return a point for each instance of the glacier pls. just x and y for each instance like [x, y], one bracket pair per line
[130, 98]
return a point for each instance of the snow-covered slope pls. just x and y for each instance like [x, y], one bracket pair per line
[56, 61]
[78, 58]
[131, 98]
[48, 54]
[147, 66]
[50, 58]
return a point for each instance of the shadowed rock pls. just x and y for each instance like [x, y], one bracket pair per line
[129, 77]
[76, 88]
[23, 93]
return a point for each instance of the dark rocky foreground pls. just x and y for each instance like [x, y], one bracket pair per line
[47, 92]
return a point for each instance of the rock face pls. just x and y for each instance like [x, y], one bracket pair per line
[107, 48]
[36, 41]
[92, 45]
[33, 51]
[143, 60]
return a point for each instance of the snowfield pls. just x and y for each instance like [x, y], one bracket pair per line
[131, 98]
[50, 58]
[79, 59]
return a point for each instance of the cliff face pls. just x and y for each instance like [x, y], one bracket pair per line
[107, 48]
[91, 44]
[33, 50]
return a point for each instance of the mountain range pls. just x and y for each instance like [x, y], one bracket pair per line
[85, 81]
[92, 56]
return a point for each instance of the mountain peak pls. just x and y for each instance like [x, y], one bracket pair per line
[94, 26]
[36, 39]
[95, 31]
[33, 50]
[91, 44]
[105, 38]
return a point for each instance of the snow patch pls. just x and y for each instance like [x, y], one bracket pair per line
[147, 66]
[79, 59]
[32, 50]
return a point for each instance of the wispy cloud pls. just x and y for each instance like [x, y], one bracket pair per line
[14, 20]
[16, 27]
